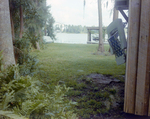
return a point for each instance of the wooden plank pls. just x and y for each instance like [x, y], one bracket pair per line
[92, 28]
[143, 76]
[149, 83]
[132, 56]
[89, 35]
[115, 14]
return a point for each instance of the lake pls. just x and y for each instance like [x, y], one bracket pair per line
[70, 38]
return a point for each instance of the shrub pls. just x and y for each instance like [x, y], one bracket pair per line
[24, 95]
[27, 63]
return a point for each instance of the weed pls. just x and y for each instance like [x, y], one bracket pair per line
[88, 81]
[81, 86]
[102, 111]
[105, 95]
[82, 113]
[71, 83]
[98, 95]
[98, 105]
[96, 88]
[112, 91]
[74, 93]
[91, 102]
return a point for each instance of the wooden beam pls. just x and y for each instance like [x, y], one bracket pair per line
[115, 14]
[132, 56]
[89, 35]
[92, 28]
[143, 76]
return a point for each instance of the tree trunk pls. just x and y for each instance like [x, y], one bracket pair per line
[12, 27]
[6, 44]
[37, 43]
[101, 46]
[21, 21]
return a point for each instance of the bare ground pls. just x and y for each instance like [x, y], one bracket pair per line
[115, 103]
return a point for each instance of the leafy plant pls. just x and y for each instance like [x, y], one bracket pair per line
[27, 63]
[25, 96]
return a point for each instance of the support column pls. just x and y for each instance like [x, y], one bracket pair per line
[143, 74]
[132, 56]
[89, 35]
[137, 83]
[115, 14]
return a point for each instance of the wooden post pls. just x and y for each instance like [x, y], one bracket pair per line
[132, 56]
[115, 14]
[143, 76]
[137, 84]
[89, 35]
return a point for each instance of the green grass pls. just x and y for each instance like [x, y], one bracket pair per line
[69, 61]
[70, 64]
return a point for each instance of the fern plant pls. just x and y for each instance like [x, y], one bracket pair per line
[27, 62]
[24, 95]
[41, 105]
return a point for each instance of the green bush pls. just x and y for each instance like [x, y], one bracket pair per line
[27, 62]
[24, 95]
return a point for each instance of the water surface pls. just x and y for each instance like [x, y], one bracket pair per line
[71, 38]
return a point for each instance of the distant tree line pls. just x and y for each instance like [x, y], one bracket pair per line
[75, 29]
[71, 28]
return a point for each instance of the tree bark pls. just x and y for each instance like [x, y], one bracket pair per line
[101, 46]
[6, 44]
[37, 43]
[12, 26]
[21, 21]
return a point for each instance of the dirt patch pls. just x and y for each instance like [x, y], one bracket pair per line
[102, 79]
[100, 97]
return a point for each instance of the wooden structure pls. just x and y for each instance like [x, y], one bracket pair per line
[137, 82]
[89, 33]
[122, 5]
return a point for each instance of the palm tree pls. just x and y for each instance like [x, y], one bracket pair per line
[21, 21]
[101, 46]
[115, 16]
[6, 44]
[113, 10]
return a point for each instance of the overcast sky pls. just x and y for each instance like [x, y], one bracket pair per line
[72, 12]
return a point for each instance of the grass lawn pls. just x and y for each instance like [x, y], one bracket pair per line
[69, 63]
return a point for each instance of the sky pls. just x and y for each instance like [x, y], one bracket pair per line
[73, 12]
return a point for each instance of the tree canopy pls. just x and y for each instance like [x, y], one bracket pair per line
[35, 15]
